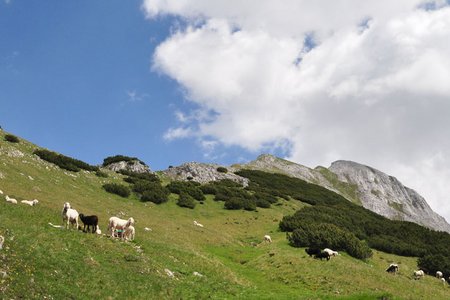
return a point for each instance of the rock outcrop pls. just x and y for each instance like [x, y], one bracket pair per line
[131, 166]
[202, 173]
[387, 196]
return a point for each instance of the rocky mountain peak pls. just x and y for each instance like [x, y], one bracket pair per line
[387, 196]
[131, 165]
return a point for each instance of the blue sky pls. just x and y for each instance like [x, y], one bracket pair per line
[222, 81]
[75, 77]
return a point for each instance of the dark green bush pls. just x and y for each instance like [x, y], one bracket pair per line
[185, 200]
[190, 187]
[11, 138]
[222, 170]
[262, 203]
[234, 203]
[117, 189]
[64, 162]
[158, 195]
[208, 189]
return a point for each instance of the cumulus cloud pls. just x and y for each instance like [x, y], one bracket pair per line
[320, 80]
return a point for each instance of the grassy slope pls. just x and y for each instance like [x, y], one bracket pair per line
[44, 262]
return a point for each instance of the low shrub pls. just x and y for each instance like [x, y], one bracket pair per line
[117, 189]
[118, 158]
[222, 170]
[11, 138]
[64, 162]
[185, 200]
[101, 174]
[189, 187]
[158, 195]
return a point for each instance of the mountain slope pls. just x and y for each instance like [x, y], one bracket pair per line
[41, 262]
[360, 184]
[386, 195]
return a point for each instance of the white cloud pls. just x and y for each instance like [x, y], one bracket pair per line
[134, 96]
[375, 93]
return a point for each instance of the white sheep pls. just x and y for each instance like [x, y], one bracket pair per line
[443, 281]
[1, 192]
[98, 231]
[197, 224]
[69, 215]
[2, 240]
[116, 223]
[30, 202]
[11, 200]
[331, 252]
[129, 233]
[439, 274]
[267, 238]
[419, 274]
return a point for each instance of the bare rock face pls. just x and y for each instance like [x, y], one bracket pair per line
[132, 166]
[385, 195]
[202, 173]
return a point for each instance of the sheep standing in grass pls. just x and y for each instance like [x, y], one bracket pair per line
[116, 223]
[89, 221]
[393, 268]
[267, 238]
[2, 240]
[439, 274]
[129, 233]
[419, 274]
[30, 202]
[331, 252]
[69, 215]
[11, 200]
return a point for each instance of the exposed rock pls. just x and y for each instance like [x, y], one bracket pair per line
[386, 196]
[132, 166]
[202, 173]
[374, 190]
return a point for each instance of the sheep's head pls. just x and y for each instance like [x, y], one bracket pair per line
[81, 216]
[35, 201]
[130, 222]
[67, 205]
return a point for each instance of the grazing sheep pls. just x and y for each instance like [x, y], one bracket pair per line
[393, 268]
[267, 238]
[98, 231]
[69, 215]
[2, 240]
[116, 223]
[11, 200]
[129, 233]
[89, 221]
[312, 251]
[321, 255]
[443, 280]
[30, 202]
[439, 274]
[331, 252]
[1, 192]
[419, 274]
[197, 224]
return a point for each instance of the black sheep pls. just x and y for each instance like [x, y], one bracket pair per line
[312, 251]
[89, 221]
[322, 254]
[393, 268]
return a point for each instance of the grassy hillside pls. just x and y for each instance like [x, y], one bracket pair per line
[42, 262]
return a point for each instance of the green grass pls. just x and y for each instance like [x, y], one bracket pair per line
[43, 262]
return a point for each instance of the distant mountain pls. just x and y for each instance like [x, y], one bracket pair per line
[374, 190]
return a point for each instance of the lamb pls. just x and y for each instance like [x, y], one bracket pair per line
[197, 224]
[331, 252]
[419, 274]
[69, 215]
[393, 268]
[267, 238]
[439, 274]
[2, 240]
[116, 223]
[11, 200]
[443, 280]
[30, 202]
[89, 221]
[98, 231]
[129, 233]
